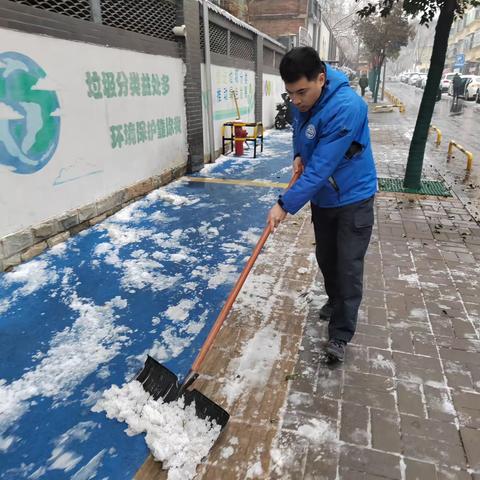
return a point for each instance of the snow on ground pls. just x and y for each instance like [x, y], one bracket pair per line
[142, 272]
[173, 342]
[254, 471]
[172, 256]
[251, 235]
[317, 431]
[179, 313]
[223, 274]
[174, 433]
[89, 471]
[74, 353]
[130, 213]
[252, 369]
[28, 278]
[62, 456]
[170, 197]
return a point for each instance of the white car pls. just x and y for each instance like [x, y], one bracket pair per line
[421, 80]
[472, 88]
[446, 81]
[413, 78]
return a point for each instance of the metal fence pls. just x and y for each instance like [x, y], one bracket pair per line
[218, 38]
[71, 8]
[268, 57]
[226, 42]
[155, 18]
[241, 47]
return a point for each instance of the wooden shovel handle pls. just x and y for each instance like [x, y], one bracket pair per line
[235, 291]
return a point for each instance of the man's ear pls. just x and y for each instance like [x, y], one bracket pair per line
[321, 79]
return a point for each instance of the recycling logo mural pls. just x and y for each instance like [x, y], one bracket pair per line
[29, 115]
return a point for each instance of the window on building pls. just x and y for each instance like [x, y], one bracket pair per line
[468, 42]
[476, 39]
[470, 16]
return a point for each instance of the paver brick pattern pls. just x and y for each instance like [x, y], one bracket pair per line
[408, 394]
[405, 404]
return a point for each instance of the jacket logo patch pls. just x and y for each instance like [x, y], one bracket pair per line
[311, 131]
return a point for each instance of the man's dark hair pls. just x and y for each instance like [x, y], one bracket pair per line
[301, 62]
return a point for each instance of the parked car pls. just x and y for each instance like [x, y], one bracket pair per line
[419, 79]
[446, 81]
[412, 78]
[472, 87]
[405, 76]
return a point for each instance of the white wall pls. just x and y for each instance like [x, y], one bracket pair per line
[324, 41]
[224, 79]
[87, 163]
[273, 87]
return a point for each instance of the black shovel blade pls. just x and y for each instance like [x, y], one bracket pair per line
[206, 408]
[159, 381]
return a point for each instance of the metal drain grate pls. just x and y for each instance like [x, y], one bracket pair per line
[428, 187]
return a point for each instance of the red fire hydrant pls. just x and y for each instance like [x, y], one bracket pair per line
[239, 133]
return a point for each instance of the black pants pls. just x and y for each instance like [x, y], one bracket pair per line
[342, 236]
[363, 90]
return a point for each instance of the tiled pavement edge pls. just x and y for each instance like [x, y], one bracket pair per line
[406, 402]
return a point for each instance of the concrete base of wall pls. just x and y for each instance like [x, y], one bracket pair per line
[24, 245]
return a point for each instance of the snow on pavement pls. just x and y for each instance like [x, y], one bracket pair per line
[173, 432]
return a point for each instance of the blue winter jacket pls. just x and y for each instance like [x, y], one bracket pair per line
[333, 140]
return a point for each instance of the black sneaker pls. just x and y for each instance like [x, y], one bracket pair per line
[327, 311]
[335, 349]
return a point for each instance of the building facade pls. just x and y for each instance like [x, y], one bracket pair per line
[291, 22]
[463, 54]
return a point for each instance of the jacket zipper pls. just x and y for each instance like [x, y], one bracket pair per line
[306, 121]
[334, 184]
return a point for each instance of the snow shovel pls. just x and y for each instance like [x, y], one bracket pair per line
[159, 381]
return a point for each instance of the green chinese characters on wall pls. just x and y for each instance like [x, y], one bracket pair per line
[109, 85]
[134, 133]
[119, 84]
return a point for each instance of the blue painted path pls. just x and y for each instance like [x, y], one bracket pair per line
[83, 316]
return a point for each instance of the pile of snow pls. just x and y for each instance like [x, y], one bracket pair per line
[174, 433]
[173, 198]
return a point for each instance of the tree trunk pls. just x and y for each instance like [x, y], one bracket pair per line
[378, 72]
[371, 80]
[383, 81]
[416, 153]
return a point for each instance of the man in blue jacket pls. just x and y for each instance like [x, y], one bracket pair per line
[331, 142]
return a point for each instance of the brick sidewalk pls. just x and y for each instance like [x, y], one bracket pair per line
[406, 402]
